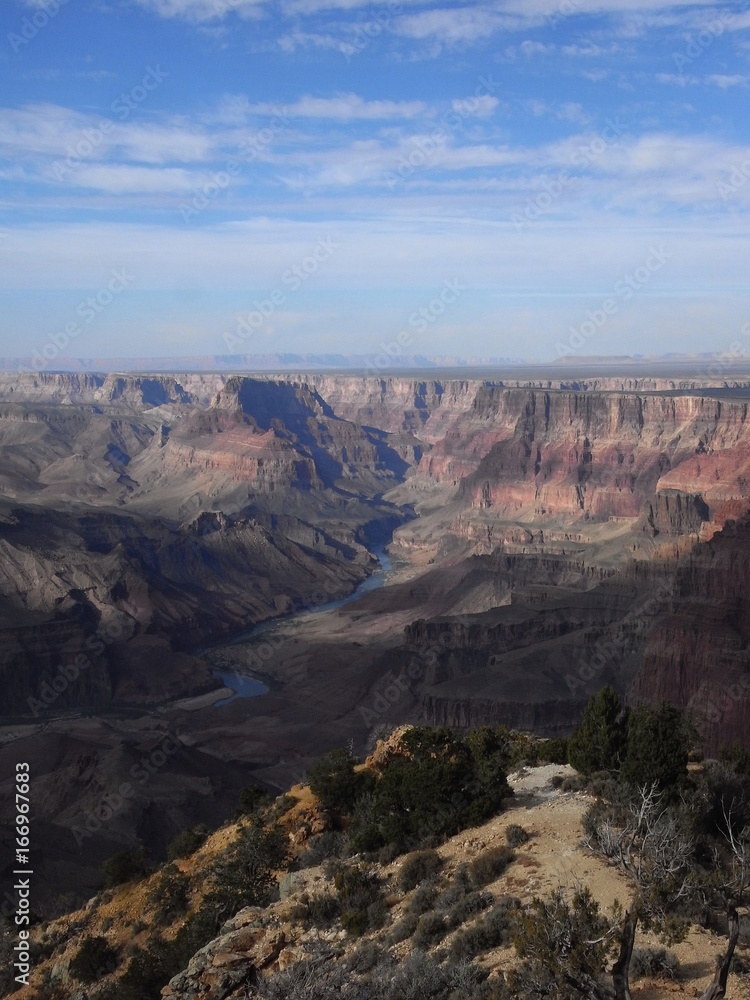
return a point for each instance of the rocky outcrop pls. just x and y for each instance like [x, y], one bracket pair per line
[676, 513]
[248, 944]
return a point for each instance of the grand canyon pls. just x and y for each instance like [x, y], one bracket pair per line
[263, 568]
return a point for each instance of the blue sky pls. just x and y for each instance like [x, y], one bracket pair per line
[254, 176]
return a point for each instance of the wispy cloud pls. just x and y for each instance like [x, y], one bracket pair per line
[116, 179]
[51, 130]
[724, 80]
[202, 10]
[455, 26]
[476, 107]
[721, 80]
[343, 107]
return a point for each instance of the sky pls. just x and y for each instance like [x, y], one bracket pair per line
[515, 179]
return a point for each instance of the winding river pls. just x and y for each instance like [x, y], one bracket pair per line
[246, 686]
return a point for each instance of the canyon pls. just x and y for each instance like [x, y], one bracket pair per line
[547, 535]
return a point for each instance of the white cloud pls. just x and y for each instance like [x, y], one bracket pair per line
[136, 180]
[590, 50]
[294, 40]
[677, 79]
[724, 81]
[570, 8]
[202, 10]
[739, 22]
[344, 107]
[316, 6]
[573, 112]
[454, 26]
[475, 107]
[721, 80]
[51, 130]
[529, 48]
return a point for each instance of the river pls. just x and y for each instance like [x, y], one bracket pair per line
[247, 686]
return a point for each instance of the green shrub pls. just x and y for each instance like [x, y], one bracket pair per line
[653, 962]
[417, 867]
[170, 897]
[335, 782]
[368, 956]
[600, 813]
[252, 798]
[430, 929]
[361, 899]
[244, 875]
[423, 899]
[494, 930]
[404, 929]
[186, 842]
[599, 742]
[93, 960]
[560, 944]
[490, 864]
[573, 783]
[553, 751]
[439, 786]
[330, 844]
[469, 906]
[516, 835]
[282, 805]
[143, 979]
[124, 866]
[658, 747]
[322, 909]
[737, 756]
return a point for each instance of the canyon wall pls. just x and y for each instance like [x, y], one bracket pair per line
[189, 505]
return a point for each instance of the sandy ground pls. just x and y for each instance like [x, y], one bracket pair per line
[553, 857]
[199, 701]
